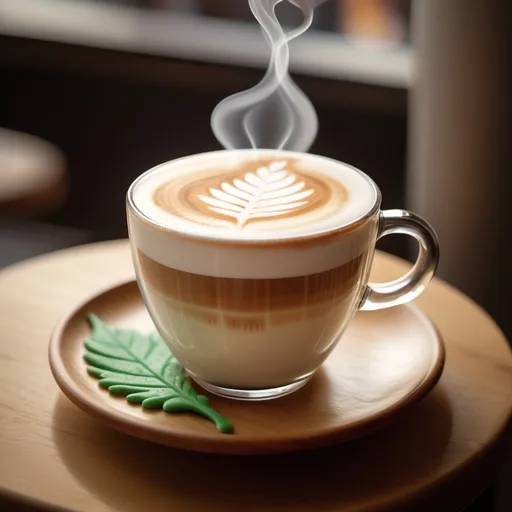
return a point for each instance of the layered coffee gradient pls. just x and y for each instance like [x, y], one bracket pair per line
[252, 263]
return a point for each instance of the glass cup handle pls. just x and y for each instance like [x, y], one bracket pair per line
[409, 286]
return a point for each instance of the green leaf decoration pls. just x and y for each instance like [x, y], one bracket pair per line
[142, 368]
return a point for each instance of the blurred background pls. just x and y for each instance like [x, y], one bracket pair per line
[117, 86]
[416, 94]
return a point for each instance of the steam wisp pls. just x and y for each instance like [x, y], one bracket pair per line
[274, 114]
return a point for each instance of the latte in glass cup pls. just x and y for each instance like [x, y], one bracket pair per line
[252, 263]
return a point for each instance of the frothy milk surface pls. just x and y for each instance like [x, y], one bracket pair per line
[252, 214]
[253, 195]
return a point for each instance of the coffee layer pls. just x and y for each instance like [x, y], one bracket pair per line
[244, 349]
[269, 260]
[251, 295]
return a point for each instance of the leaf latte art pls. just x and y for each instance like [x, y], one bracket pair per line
[269, 192]
[259, 195]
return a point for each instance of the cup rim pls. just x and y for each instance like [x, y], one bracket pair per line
[253, 241]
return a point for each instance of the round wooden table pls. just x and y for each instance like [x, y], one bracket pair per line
[440, 456]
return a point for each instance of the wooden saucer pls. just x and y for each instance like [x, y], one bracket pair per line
[386, 361]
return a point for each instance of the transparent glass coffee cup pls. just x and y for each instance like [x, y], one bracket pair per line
[253, 319]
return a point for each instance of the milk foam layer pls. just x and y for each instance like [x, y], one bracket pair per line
[249, 195]
[220, 250]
